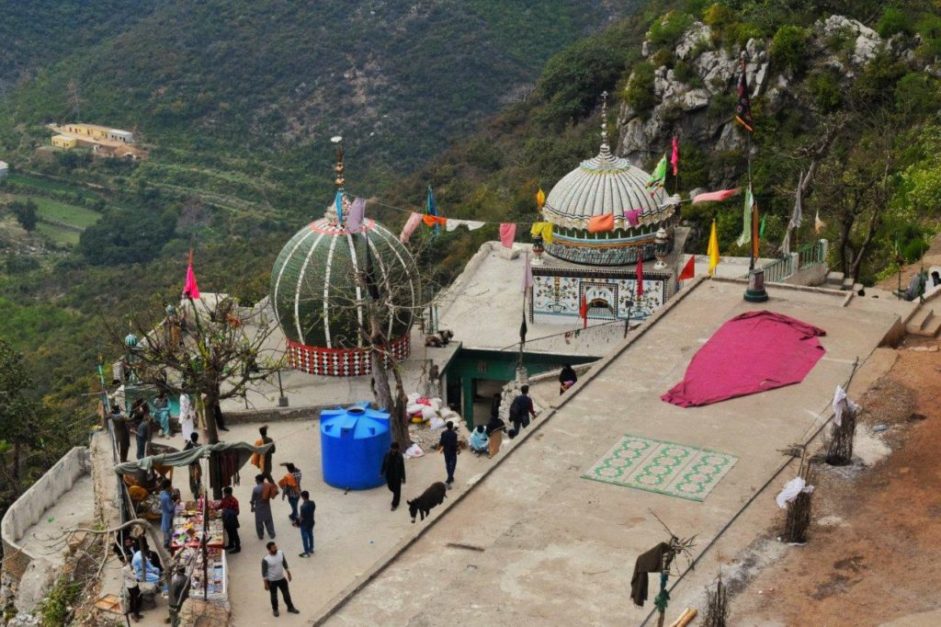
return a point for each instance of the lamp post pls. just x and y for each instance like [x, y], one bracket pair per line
[282, 399]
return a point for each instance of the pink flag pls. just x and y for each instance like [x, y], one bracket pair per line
[675, 156]
[719, 196]
[354, 219]
[507, 234]
[527, 275]
[410, 225]
[633, 216]
[640, 272]
[190, 288]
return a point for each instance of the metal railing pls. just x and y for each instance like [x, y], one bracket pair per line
[779, 270]
[810, 254]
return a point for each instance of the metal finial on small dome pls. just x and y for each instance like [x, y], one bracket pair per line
[605, 148]
[338, 140]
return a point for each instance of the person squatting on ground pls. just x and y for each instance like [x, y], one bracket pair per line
[277, 574]
[448, 444]
[230, 520]
[306, 524]
[290, 485]
[478, 440]
[262, 494]
[567, 378]
[393, 469]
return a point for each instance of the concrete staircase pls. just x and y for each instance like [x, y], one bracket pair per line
[838, 281]
[924, 322]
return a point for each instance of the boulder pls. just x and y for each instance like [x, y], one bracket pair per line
[695, 34]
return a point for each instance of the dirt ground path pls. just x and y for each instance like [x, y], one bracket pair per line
[874, 554]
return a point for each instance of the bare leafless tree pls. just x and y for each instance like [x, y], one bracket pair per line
[212, 351]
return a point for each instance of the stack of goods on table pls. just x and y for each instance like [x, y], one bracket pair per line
[188, 529]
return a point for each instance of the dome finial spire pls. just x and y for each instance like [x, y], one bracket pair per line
[605, 148]
[338, 140]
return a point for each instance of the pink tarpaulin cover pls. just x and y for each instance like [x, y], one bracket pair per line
[753, 352]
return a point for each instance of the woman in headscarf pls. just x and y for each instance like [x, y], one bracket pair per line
[495, 427]
[567, 378]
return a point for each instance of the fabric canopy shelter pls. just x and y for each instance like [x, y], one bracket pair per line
[187, 457]
[753, 352]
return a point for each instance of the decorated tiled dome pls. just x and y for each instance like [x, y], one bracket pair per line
[607, 185]
[320, 288]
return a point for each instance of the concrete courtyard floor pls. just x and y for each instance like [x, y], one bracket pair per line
[354, 531]
[549, 547]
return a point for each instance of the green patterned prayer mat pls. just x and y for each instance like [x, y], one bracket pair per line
[667, 468]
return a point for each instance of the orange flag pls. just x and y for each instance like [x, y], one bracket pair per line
[600, 224]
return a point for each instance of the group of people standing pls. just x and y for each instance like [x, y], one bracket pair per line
[149, 419]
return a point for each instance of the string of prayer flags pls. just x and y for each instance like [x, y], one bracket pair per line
[414, 219]
[507, 234]
[543, 230]
[452, 224]
[602, 223]
[434, 221]
[633, 216]
[717, 196]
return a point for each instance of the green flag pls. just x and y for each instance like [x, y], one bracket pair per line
[659, 176]
[745, 237]
[761, 227]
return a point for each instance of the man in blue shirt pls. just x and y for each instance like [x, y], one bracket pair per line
[448, 444]
[167, 509]
[307, 523]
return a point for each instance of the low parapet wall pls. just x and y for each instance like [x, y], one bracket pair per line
[28, 510]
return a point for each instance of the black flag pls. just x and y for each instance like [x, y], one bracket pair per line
[743, 104]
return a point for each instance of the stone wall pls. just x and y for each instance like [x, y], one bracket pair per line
[32, 504]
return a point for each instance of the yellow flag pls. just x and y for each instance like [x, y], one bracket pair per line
[713, 250]
[540, 198]
[543, 230]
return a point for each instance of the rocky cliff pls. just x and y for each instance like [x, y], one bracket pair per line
[693, 84]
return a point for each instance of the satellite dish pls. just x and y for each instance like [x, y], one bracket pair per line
[336, 139]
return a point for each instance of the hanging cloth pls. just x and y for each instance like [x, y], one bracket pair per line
[354, 220]
[543, 230]
[600, 224]
[414, 219]
[633, 216]
[649, 562]
[507, 234]
[472, 225]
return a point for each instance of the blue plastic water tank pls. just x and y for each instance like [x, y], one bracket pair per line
[353, 442]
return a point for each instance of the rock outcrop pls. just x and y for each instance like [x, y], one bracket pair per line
[694, 90]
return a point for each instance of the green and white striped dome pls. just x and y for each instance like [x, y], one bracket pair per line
[315, 294]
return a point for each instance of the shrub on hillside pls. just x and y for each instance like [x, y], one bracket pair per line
[639, 93]
[788, 48]
[894, 20]
[668, 29]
